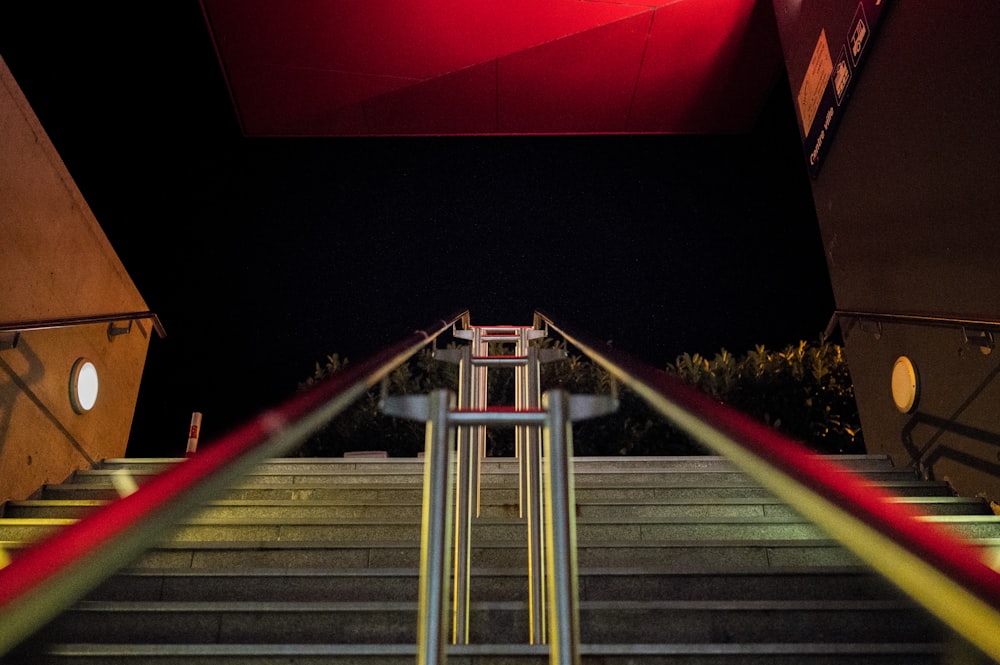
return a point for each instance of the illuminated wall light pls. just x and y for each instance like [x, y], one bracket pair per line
[83, 385]
[905, 384]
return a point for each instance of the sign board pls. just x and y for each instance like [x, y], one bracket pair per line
[829, 78]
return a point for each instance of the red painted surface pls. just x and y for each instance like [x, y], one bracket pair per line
[573, 85]
[704, 72]
[452, 67]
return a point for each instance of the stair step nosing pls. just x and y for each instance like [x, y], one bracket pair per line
[541, 650]
[487, 522]
[357, 606]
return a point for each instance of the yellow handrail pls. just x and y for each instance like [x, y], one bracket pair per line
[54, 573]
[942, 572]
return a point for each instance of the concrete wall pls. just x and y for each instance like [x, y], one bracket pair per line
[56, 262]
[907, 194]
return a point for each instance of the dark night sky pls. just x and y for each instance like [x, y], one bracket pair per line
[263, 255]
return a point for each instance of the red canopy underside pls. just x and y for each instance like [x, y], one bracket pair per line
[484, 67]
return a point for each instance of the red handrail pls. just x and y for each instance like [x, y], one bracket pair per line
[57, 571]
[940, 570]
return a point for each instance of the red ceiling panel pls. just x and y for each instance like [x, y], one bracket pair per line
[273, 101]
[553, 89]
[705, 67]
[344, 67]
[463, 102]
[525, 24]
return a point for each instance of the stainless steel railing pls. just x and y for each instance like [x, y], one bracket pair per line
[934, 567]
[56, 572]
[984, 327]
[557, 410]
[942, 572]
[70, 321]
[543, 430]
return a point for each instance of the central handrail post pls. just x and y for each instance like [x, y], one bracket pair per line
[532, 464]
[560, 532]
[466, 451]
[520, 432]
[480, 388]
[527, 396]
[435, 532]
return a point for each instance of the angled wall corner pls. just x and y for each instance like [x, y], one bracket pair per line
[56, 262]
[897, 110]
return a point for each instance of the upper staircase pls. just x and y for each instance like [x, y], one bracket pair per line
[766, 553]
[681, 560]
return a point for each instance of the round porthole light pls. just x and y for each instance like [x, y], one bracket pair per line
[83, 385]
[904, 384]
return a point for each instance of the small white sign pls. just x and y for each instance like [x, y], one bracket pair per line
[859, 34]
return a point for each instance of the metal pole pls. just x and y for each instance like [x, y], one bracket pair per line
[560, 533]
[435, 531]
[533, 460]
[520, 432]
[479, 399]
[482, 400]
[463, 504]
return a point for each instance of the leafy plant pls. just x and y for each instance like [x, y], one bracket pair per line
[804, 390]
[363, 426]
[634, 429]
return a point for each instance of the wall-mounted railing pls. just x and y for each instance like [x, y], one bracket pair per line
[941, 571]
[54, 573]
[966, 324]
[72, 321]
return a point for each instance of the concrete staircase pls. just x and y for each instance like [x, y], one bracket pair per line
[682, 560]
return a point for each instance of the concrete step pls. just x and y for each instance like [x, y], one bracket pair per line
[387, 492]
[503, 478]
[682, 560]
[622, 531]
[732, 653]
[682, 555]
[503, 622]
[493, 464]
[649, 508]
[395, 584]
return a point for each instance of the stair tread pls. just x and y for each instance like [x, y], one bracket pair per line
[739, 648]
[378, 605]
[631, 590]
[406, 544]
[668, 501]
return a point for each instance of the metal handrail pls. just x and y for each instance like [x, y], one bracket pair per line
[938, 569]
[70, 321]
[438, 524]
[526, 416]
[59, 570]
[917, 319]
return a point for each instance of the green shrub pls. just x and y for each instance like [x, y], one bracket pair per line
[634, 429]
[804, 390]
[362, 426]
